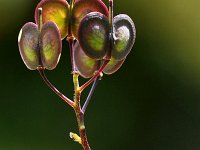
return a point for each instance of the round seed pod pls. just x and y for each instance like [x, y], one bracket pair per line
[93, 35]
[83, 7]
[85, 65]
[56, 11]
[28, 41]
[50, 45]
[113, 66]
[124, 36]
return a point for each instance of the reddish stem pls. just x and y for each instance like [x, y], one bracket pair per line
[63, 97]
[82, 130]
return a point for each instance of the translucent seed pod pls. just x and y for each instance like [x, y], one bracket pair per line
[124, 36]
[56, 11]
[50, 45]
[28, 42]
[85, 65]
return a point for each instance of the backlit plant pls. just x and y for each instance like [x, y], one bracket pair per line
[98, 44]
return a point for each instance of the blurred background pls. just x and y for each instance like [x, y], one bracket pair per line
[151, 103]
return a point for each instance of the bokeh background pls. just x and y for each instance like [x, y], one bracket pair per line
[151, 103]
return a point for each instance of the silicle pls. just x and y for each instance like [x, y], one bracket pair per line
[40, 48]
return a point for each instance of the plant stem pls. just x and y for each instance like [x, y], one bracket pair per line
[111, 42]
[63, 97]
[111, 15]
[70, 37]
[79, 113]
[70, 40]
[90, 94]
[40, 19]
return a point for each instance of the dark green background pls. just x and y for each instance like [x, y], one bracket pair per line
[151, 103]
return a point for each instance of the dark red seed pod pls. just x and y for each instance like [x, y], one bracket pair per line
[82, 8]
[50, 45]
[28, 42]
[85, 65]
[124, 36]
[93, 35]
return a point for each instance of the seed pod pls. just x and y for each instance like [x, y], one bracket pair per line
[50, 45]
[28, 41]
[56, 11]
[82, 8]
[40, 49]
[124, 36]
[93, 35]
[84, 64]
[113, 66]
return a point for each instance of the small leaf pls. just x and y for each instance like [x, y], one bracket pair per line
[75, 137]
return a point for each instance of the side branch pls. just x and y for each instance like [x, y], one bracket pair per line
[63, 97]
[90, 94]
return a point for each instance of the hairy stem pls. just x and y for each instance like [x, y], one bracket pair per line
[79, 113]
[63, 97]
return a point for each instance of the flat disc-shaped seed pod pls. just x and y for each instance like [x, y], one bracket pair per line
[84, 64]
[28, 45]
[50, 45]
[56, 11]
[124, 36]
[113, 66]
[83, 7]
[93, 35]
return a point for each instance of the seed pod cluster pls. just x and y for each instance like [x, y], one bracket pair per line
[87, 21]
[96, 43]
[59, 12]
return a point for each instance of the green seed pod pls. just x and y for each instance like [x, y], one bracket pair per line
[83, 7]
[124, 36]
[28, 41]
[56, 11]
[113, 66]
[84, 64]
[50, 45]
[93, 35]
